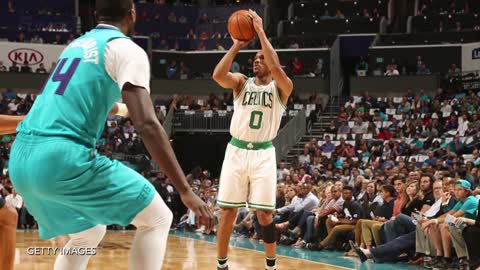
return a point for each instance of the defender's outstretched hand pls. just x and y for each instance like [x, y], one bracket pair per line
[200, 208]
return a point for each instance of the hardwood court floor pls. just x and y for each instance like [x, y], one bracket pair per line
[182, 253]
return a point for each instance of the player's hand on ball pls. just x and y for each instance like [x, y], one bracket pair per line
[240, 43]
[257, 21]
[200, 208]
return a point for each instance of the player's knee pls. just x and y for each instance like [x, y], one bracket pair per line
[88, 238]
[264, 217]
[229, 213]
[269, 236]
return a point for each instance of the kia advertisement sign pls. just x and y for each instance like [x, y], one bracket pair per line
[24, 55]
[31, 54]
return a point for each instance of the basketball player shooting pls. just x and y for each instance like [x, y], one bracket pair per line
[71, 189]
[249, 168]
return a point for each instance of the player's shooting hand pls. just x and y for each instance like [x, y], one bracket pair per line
[257, 21]
[200, 208]
[240, 43]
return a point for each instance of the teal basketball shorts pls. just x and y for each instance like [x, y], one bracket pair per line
[69, 188]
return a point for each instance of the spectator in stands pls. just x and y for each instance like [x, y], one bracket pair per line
[328, 146]
[305, 157]
[16, 201]
[458, 26]
[297, 66]
[344, 128]
[191, 34]
[345, 223]
[41, 69]
[172, 70]
[359, 127]
[471, 236]
[52, 67]
[371, 228]
[204, 19]
[319, 68]
[10, 6]
[58, 40]
[218, 47]
[14, 67]
[21, 37]
[37, 39]
[3, 68]
[202, 46]
[183, 19]
[339, 14]
[391, 71]
[466, 207]
[289, 216]
[163, 45]
[423, 70]
[172, 17]
[362, 65]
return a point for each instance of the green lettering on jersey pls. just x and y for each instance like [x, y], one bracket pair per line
[255, 98]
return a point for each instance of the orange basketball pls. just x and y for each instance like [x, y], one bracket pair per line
[240, 25]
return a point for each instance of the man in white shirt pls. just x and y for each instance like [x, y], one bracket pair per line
[391, 71]
[15, 200]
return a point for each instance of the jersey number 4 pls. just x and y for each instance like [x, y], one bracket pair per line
[65, 77]
[256, 119]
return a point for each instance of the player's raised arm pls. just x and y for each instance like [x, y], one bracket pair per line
[143, 115]
[284, 83]
[222, 74]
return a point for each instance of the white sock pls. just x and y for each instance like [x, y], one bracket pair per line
[86, 239]
[149, 245]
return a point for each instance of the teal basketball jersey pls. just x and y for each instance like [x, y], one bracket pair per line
[77, 97]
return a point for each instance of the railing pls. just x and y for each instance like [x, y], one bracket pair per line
[167, 123]
[290, 134]
[212, 122]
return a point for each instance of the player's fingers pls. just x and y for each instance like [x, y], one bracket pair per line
[207, 219]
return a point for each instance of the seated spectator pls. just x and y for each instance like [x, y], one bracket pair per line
[305, 157]
[297, 66]
[344, 128]
[370, 229]
[466, 207]
[423, 70]
[344, 223]
[328, 146]
[391, 71]
[3, 68]
[471, 235]
[41, 69]
[359, 127]
[14, 67]
[332, 129]
[289, 215]
[172, 70]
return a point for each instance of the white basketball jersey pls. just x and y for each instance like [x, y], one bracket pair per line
[257, 112]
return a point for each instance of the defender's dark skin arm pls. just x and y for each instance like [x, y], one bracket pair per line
[143, 116]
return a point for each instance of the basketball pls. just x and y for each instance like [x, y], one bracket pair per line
[240, 26]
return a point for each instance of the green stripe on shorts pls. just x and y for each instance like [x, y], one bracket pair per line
[231, 204]
[261, 206]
